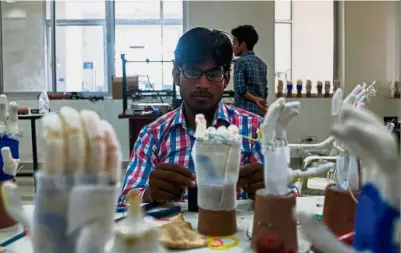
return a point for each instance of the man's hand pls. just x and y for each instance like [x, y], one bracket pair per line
[261, 103]
[168, 182]
[251, 178]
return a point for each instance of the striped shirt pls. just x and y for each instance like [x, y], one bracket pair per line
[250, 75]
[170, 140]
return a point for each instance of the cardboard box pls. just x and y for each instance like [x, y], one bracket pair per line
[117, 85]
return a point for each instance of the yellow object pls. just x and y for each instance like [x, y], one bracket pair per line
[211, 243]
[258, 137]
[178, 234]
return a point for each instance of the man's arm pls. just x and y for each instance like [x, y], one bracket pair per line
[240, 83]
[143, 161]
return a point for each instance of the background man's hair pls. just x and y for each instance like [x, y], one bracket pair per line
[247, 34]
[200, 45]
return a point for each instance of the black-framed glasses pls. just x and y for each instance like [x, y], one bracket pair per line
[213, 75]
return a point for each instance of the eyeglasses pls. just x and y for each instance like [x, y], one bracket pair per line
[213, 75]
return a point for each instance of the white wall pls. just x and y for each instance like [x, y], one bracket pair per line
[370, 53]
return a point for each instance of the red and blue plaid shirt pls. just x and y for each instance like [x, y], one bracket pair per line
[170, 140]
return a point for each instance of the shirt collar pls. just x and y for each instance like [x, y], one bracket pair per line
[248, 53]
[221, 114]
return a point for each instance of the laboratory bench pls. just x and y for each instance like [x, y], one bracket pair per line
[244, 220]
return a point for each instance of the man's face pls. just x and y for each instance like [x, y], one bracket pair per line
[237, 47]
[202, 94]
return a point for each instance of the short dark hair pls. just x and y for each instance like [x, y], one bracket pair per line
[247, 34]
[200, 44]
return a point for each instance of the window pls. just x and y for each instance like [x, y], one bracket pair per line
[24, 48]
[148, 31]
[304, 41]
[81, 63]
[87, 36]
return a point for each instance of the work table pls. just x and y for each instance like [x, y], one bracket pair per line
[244, 221]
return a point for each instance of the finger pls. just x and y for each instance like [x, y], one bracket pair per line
[54, 161]
[363, 115]
[94, 137]
[176, 168]
[74, 139]
[9, 164]
[3, 113]
[113, 152]
[249, 169]
[256, 186]
[173, 177]
[165, 186]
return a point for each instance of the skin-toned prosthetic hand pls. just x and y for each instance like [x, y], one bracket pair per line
[77, 186]
[378, 211]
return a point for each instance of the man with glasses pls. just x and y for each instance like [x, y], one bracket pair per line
[161, 168]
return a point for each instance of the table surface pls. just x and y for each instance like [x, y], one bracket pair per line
[244, 219]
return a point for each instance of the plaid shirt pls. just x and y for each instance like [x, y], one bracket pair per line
[169, 140]
[250, 75]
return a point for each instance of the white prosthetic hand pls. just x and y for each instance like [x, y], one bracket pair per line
[77, 187]
[378, 208]
[8, 117]
[274, 145]
[216, 154]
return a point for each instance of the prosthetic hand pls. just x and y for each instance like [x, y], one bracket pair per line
[378, 209]
[8, 117]
[77, 187]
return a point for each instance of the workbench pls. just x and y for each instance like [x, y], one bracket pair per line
[244, 219]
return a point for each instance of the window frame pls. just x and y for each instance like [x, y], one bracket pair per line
[109, 24]
[288, 22]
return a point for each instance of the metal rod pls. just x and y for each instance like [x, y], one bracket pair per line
[53, 45]
[124, 82]
[149, 61]
[110, 44]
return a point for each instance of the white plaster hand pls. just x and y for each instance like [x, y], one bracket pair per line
[290, 110]
[366, 136]
[270, 122]
[78, 182]
[10, 164]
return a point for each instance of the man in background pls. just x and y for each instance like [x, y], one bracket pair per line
[250, 72]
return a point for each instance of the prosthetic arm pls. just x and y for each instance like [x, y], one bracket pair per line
[378, 209]
[77, 187]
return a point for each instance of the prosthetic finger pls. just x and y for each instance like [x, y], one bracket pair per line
[360, 114]
[350, 99]
[54, 146]
[74, 139]
[10, 165]
[337, 102]
[270, 121]
[3, 113]
[113, 152]
[12, 122]
[94, 137]
[319, 235]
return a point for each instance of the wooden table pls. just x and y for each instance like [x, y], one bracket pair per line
[244, 220]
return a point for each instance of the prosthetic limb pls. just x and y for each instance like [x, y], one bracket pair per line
[77, 187]
[274, 204]
[378, 208]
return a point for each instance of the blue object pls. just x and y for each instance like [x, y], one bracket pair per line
[88, 65]
[156, 214]
[13, 144]
[13, 239]
[375, 224]
[289, 86]
[299, 87]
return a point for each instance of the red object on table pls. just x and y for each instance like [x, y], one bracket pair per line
[271, 244]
